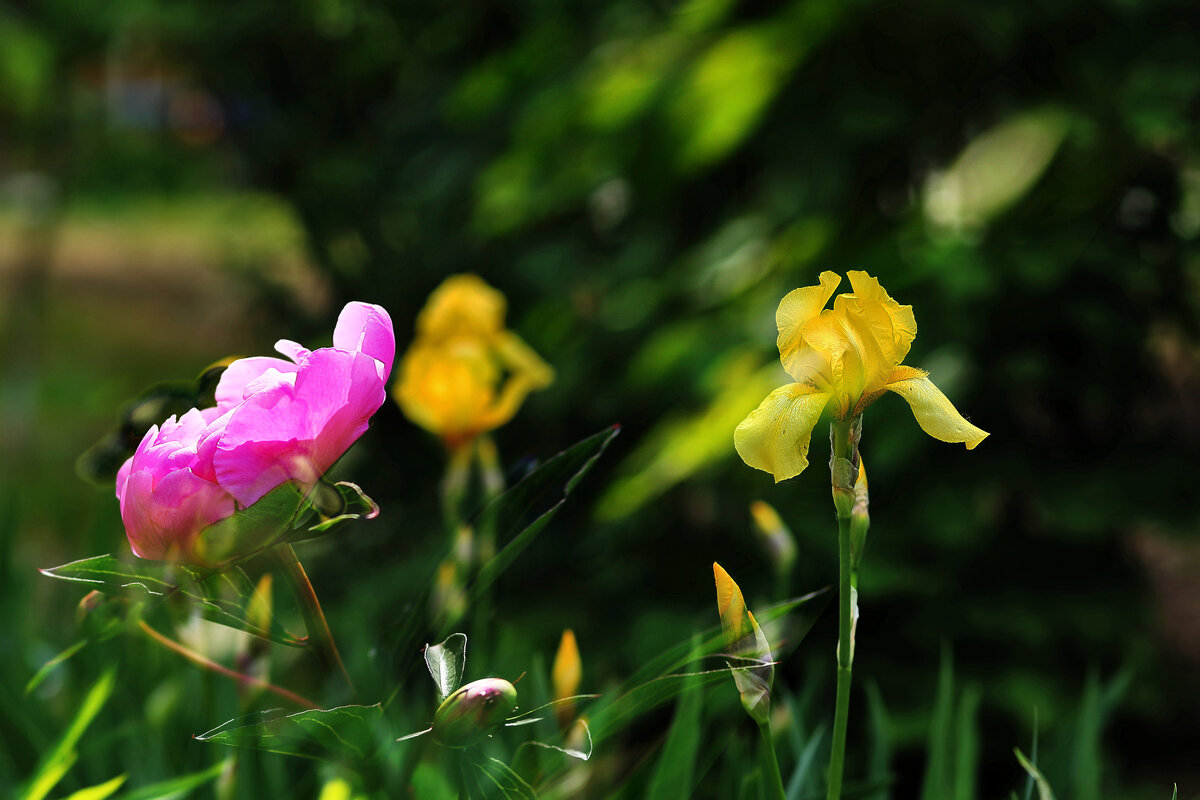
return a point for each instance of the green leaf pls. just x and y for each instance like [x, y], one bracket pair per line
[447, 662]
[879, 754]
[179, 787]
[967, 744]
[939, 770]
[99, 791]
[336, 503]
[1034, 755]
[659, 679]
[539, 496]
[49, 666]
[675, 772]
[1043, 786]
[251, 529]
[356, 732]
[54, 764]
[223, 595]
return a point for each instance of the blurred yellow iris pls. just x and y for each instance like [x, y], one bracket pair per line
[466, 374]
[842, 359]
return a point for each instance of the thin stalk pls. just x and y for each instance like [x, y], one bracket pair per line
[454, 485]
[771, 776]
[841, 435]
[209, 664]
[314, 617]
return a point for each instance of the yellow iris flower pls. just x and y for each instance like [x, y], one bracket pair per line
[842, 359]
[465, 374]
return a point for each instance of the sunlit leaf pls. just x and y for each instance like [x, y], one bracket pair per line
[55, 763]
[100, 791]
[1043, 786]
[178, 787]
[686, 443]
[995, 170]
[447, 662]
[347, 731]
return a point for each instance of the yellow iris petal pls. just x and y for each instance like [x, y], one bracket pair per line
[935, 414]
[731, 606]
[903, 328]
[463, 305]
[465, 374]
[448, 390]
[796, 310]
[775, 437]
[520, 359]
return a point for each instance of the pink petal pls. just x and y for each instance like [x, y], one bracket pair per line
[293, 350]
[162, 518]
[366, 328]
[231, 389]
[297, 433]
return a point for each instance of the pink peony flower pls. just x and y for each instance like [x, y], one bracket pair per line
[275, 421]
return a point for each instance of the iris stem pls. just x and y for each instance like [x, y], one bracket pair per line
[213, 666]
[843, 446]
[770, 765]
[314, 617]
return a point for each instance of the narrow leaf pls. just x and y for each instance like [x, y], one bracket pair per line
[99, 791]
[49, 666]
[55, 764]
[539, 496]
[675, 772]
[177, 787]
[1043, 786]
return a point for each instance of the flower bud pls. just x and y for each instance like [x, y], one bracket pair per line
[775, 535]
[473, 711]
[860, 517]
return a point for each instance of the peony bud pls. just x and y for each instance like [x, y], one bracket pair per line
[473, 711]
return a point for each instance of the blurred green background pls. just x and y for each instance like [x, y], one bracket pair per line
[644, 181]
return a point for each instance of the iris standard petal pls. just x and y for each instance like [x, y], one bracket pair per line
[934, 412]
[795, 311]
[775, 437]
[463, 305]
[903, 322]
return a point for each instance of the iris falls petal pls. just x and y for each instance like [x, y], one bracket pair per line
[775, 436]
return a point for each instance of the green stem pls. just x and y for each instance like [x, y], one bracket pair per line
[770, 766]
[314, 617]
[842, 447]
